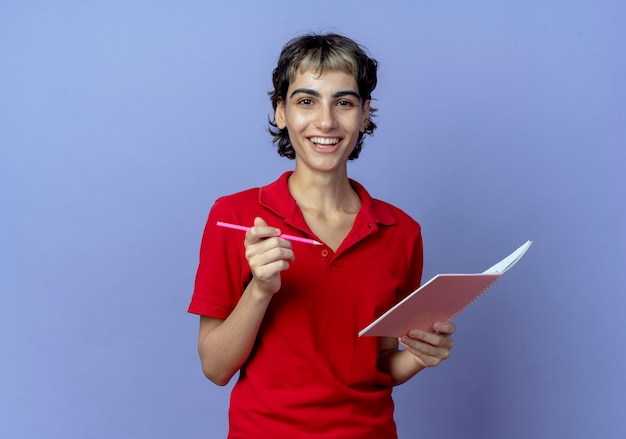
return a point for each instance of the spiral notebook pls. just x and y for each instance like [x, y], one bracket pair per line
[440, 299]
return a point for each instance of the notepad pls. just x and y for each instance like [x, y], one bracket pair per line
[440, 299]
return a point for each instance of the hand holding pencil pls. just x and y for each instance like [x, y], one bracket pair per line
[266, 256]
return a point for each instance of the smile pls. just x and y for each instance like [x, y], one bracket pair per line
[324, 140]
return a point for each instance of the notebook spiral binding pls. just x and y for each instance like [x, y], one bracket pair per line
[474, 299]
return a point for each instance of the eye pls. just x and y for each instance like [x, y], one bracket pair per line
[344, 103]
[305, 101]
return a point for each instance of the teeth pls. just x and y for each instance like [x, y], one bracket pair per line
[324, 140]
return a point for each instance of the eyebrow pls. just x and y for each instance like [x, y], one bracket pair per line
[315, 93]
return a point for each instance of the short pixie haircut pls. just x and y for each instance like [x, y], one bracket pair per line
[320, 53]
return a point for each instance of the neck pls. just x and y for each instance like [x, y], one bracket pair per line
[324, 194]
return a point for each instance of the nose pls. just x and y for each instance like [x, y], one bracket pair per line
[326, 118]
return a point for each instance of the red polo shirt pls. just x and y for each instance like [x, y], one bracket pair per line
[309, 374]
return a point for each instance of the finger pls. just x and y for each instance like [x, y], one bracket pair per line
[440, 349]
[428, 360]
[263, 254]
[425, 354]
[269, 245]
[258, 221]
[445, 328]
[267, 271]
[431, 338]
[260, 231]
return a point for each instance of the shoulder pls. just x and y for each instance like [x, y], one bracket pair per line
[386, 213]
[254, 201]
[239, 198]
[401, 219]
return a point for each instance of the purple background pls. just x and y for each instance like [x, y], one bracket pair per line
[122, 121]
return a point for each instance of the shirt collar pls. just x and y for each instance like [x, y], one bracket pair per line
[276, 197]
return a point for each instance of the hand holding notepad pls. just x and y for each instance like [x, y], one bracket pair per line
[440, 299]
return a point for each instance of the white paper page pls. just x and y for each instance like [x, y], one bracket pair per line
[510, 260]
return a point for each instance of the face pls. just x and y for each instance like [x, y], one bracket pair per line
[324, 115]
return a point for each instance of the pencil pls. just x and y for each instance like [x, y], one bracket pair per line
[284, 235]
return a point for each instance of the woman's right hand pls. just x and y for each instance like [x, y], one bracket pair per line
[268, 255]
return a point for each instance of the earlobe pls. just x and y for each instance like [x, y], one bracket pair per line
[279, 115]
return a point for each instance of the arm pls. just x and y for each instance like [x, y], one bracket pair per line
[224, 345]
[422, 350]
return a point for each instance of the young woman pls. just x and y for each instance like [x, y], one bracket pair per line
[286, 314]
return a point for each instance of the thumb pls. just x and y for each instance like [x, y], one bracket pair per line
[258, 221]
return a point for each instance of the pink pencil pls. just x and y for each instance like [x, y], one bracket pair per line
[285, 236]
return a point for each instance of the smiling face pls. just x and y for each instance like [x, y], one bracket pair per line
[323, 114]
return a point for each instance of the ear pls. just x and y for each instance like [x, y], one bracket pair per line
[366, 115]
[279, 114]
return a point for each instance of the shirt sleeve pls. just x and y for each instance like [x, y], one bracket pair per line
[223, 271]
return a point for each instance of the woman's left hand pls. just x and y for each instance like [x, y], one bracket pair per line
[430, 348]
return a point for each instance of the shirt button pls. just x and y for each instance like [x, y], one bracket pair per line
[324, 253]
